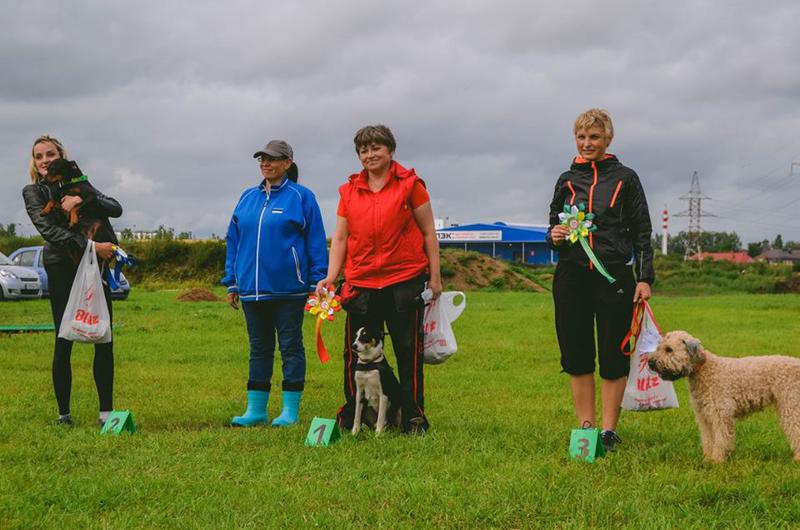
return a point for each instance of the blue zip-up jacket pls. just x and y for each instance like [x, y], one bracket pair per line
[276, 243]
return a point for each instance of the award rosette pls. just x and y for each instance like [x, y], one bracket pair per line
[580, 224]
[324, 308]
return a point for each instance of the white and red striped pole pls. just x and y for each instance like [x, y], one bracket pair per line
[664, 234]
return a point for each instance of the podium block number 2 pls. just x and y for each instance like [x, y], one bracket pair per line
[119, 421]
[323, 432]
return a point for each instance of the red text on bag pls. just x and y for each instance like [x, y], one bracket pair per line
[87, 317]
[429, 327]
[646, 383]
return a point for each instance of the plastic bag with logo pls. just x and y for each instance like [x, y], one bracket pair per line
[86, 317]
[440, 342]
[646, 390]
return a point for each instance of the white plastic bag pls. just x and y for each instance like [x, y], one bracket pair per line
[86, 317]
[440, 342]
[646, 390]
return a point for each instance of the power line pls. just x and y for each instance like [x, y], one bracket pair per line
[695, 213]
[773, 188]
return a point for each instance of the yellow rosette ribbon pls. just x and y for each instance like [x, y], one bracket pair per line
[324, 308]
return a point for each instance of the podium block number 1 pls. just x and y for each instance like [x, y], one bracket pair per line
[323, 432]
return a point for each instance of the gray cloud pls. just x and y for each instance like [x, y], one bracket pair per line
[163, 104]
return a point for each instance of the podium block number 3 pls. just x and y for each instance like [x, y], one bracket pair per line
[583, 446]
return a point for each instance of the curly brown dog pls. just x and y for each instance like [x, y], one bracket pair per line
[723, 389]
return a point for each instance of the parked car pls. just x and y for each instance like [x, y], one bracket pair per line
[32, 257]
[17, 282]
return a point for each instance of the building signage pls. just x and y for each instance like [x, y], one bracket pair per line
[469, 235]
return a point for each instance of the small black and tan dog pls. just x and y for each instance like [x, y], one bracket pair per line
[64, 178]
[375, 382]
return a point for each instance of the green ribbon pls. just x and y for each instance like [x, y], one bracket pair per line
[589, 252]
[580, 224]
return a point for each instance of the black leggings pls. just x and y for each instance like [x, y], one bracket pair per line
[60, 277]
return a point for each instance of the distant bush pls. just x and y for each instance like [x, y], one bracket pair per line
[12, 243]
[499, 283]
[468, 257]
[446, 270]
[173, 260]
[676, 276]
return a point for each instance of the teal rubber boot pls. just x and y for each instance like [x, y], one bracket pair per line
[291, 408]
[256, 413]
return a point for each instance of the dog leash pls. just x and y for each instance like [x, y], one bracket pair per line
[635, 330]
[636, 326]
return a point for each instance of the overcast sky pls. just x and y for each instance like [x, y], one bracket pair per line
[163, 103]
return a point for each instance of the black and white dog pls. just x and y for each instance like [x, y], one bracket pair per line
[375, 382]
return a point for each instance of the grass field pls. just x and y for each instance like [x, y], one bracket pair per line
[496, 455]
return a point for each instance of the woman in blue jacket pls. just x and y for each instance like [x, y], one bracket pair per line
[276, 253]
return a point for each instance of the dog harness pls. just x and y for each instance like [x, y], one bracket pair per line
[379, 364]
[389, 383]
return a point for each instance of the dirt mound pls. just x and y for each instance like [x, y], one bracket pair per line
[198, 295]
[466, 271]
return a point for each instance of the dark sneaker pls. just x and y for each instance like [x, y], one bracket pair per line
[610, 440]
[417, 426]
[64, 421]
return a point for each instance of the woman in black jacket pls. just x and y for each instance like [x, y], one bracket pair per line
[614, 194]
[60, 244]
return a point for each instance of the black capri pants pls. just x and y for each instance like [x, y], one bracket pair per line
[583, 296]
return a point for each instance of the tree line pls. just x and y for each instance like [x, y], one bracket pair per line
[723, 242]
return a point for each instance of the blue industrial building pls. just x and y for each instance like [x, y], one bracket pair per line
[519, 243]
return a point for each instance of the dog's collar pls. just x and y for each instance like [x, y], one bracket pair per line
[82, 178]
[377, 364]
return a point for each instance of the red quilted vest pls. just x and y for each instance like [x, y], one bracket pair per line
[384, 243]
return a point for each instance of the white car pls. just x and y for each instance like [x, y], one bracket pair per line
[18, 282]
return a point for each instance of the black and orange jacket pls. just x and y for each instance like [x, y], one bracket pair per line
[614, 194]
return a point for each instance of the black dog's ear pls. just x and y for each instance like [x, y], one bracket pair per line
[68, 169]
[695, 350]
[76, 171]
[57, 167]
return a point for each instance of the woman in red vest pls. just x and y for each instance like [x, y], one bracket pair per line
[386, 240]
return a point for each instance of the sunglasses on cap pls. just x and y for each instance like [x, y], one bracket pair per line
[267, 158]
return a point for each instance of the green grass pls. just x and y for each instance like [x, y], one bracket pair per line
[496, 455]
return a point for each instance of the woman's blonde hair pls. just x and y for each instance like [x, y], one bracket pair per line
[595, 118]
[32, 164]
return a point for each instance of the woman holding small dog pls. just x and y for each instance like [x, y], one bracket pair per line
[614, 194]
[59, 247]
[386, 241]
[276, 253]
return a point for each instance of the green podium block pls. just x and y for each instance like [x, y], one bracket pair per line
[119, 421]
[322, 433]
[585, 445]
